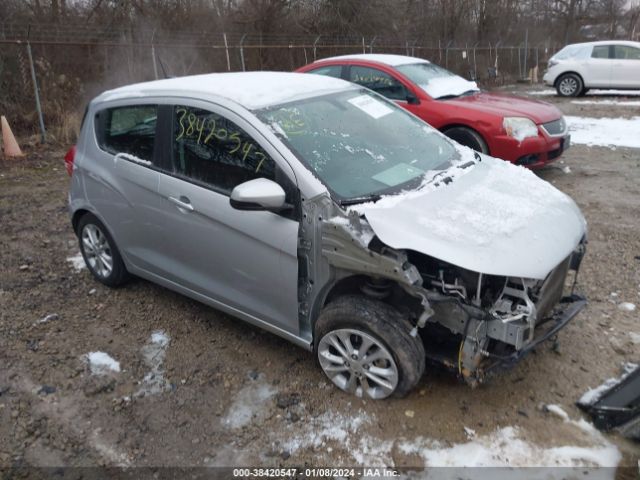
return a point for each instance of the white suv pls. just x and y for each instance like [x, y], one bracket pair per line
[581, 66]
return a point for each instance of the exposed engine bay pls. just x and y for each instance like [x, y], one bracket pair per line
[470, 322]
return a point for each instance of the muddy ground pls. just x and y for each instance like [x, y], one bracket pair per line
[210, 390]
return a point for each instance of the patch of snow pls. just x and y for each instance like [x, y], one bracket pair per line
[635, 338]
[46, 319]
[566, 169]
[592, 395]
[557, 411]
[627, 307]
[387, 59]
[330, 426]
[253, 90]
[508, 447]
[541, 92]
[101, 363]
[626, 93]
[469, 432]
[619, 103]
[362, 231]
[604, 132]
[153, 353]
[250, 404]
[77, 262]
[452, 85]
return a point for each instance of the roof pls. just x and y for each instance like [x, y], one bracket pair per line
[608, 42]
[391, 60]
[252, 90]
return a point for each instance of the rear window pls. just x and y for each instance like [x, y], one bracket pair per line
[130, 129]
[330, 71]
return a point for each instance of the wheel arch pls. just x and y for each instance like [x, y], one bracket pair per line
[459, 124]
[352, 285]
[573, 72]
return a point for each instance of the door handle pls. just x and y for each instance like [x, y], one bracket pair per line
[183, 203]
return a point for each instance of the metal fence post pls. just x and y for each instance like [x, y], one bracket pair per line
[153, 55]
[242, 52]
[36, 92]
[373, 40]
[226, 50]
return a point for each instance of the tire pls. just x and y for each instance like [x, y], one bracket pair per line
[100, 252]
[352, 321]
[569, 85]
[583, 92]
[467, 137]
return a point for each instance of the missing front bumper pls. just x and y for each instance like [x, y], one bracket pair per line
[569, 305]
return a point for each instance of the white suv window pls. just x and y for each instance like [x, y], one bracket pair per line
[625, 52]
[600, 51]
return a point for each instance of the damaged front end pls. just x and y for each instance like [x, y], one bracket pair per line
[470, 322]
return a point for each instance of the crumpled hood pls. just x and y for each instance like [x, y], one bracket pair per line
[494, 217]
[508, 105]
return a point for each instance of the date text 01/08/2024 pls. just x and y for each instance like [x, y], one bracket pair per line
[313, 472]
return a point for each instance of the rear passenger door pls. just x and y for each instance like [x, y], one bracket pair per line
[122, 183]
[598, 73]
[626, 66]
[245, 260]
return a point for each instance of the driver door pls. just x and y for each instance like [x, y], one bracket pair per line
[245, 260]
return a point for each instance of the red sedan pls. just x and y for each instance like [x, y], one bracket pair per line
[526, 132]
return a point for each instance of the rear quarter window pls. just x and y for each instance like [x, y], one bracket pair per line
[130, 129]
[329, 71]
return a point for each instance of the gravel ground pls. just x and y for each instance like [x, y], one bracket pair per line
[199, 388]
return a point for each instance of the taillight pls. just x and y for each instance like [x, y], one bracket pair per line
[69, 158]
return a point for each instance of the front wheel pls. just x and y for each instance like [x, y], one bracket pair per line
[467, 137]
[569, 85]
[365, 348]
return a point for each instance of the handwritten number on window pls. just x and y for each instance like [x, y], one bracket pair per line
[202, 130]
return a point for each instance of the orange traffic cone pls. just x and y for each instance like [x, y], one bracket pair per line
[11, 147]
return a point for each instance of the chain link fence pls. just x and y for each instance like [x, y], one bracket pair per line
[71, 64]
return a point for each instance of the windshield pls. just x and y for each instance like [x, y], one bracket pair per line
[573, 51]
[436, 81]
[359, 144]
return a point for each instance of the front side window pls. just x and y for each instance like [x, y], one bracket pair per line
[624, 52]
[330, 71]
[378, 81]
[358, 144]
[130, 130]
[600, 51]
[212, 150]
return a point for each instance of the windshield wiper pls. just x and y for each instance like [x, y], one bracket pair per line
[363, 199]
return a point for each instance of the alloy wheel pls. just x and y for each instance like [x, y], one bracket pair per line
[358, 363]
[97, 250]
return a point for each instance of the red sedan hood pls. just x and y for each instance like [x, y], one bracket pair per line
[507, 105]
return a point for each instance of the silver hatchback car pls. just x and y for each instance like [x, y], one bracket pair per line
[330, 216]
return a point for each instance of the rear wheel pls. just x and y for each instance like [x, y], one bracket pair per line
[467, 137]
[365, 348]
[100, 252]
[569, 85]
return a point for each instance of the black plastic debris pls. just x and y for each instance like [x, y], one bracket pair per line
[619, 406]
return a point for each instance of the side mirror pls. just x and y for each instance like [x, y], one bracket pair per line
[258, 194]
[412, 99]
